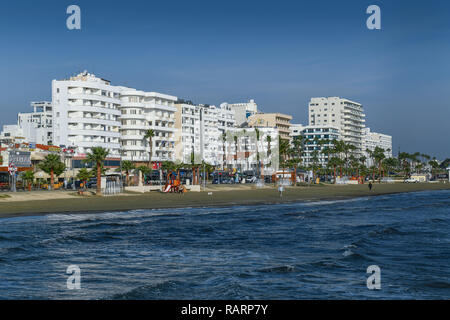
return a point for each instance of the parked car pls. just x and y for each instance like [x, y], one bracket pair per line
[77, 185]
[92, 183]
[411, 180]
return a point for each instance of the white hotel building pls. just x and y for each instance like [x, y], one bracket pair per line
[86, 113]
[346, 115]
[142, 111]
[33, 127]
[199, 132]
[373, 140]
[89, 112]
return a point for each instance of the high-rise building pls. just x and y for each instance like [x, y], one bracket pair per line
[348, 116]
[187, 136]
[142, 111]
[86, 113]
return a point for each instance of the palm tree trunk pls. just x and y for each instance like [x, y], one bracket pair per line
[128, 179]
[52, 179]
[379, 172]
[150, 154]
[262, 171]
[99, 180]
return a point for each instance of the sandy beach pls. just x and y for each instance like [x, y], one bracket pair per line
[44, 202]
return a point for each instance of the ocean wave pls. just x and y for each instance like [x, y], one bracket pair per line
[352, 255]
[10, 250]
[385, 231]
[328, 202]
[279, 269]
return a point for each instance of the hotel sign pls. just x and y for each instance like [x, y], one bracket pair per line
[20, 158]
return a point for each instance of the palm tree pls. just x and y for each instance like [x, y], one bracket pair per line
[84, 175]
[257, 132]
[403, 159]
[334, 162]
[434, 166]
[28, 176]
[315, 160]
[128, 166]
[52, 165]
[149, 134]
[338, 149]
[235, 138]
[224, 158]
[97, 156]
[379, 156]
[283, 150]
[296, 155]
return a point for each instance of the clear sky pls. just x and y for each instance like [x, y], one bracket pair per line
[281, 53]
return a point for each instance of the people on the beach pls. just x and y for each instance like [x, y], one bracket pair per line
[370, 185]
[280, 190]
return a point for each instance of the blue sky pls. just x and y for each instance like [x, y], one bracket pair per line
[280, 53]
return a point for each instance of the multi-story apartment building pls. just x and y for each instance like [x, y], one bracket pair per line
[373, 140]
[187, 135]
[274, 120]
[200, 129]
[86, 113]
[37, 125]
[242, 111]
[348, 116]
[142, 111]
[33, 127]
[315, 139]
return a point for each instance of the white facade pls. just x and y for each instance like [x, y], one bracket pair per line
[296, 130]
[11, 133]
[373, 140]
[32, 127]
[311, 137]
[242, 110]
[187, 136]
[241, 149]
[200, 132]
[37, 125]
[142, 111]
[86, 113]
[348, 116]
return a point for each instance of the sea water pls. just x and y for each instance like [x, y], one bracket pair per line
[303, 250]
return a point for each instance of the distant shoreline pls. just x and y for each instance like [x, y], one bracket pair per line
[66, 203]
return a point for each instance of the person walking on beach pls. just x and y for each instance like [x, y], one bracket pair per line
[370, 185]
[280, 190]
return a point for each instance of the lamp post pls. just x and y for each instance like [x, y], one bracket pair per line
[73, 167]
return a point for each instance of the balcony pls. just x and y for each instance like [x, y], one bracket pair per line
[74, 107]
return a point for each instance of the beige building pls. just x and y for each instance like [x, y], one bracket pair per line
[275, 120]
